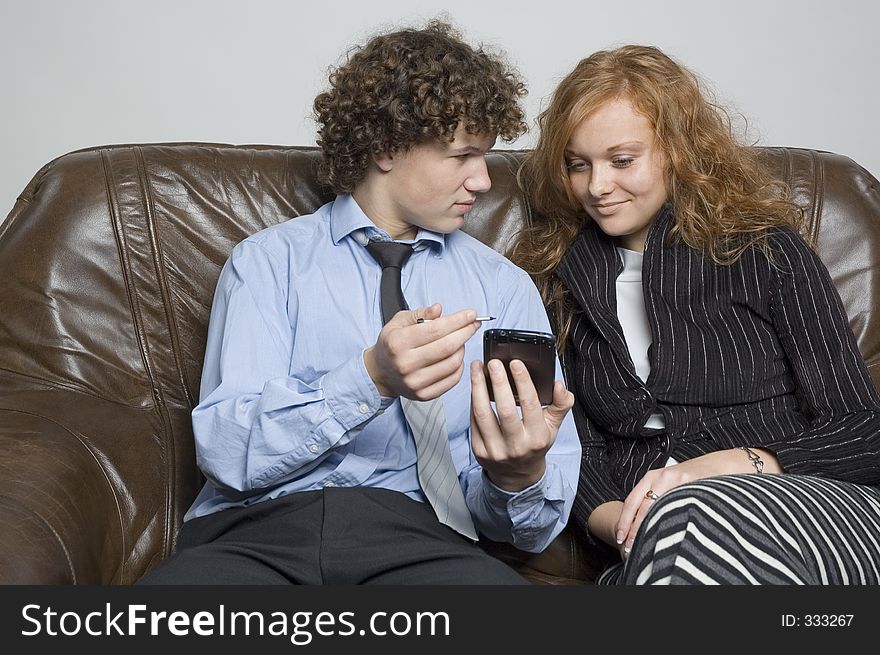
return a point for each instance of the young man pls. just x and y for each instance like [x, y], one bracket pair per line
[306, 428]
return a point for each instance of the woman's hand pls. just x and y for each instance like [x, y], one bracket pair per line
[657, 482]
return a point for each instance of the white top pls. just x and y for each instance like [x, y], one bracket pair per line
[634, 319]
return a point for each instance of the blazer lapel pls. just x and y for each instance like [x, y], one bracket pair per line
[589, 270]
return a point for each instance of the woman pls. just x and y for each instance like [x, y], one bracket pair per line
[730, 429]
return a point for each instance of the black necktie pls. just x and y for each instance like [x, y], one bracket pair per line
[391, 257]
[426, 420]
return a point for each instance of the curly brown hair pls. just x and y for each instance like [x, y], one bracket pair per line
[723, 198]
[405, 88]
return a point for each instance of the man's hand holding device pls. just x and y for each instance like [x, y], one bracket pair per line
[511, 440]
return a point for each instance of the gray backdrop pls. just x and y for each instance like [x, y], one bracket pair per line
[78, 73]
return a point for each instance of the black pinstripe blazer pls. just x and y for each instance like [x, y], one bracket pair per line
[751, 354]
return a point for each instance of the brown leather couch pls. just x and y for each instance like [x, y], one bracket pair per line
[108, 263]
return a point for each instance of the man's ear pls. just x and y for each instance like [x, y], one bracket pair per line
[384, 161]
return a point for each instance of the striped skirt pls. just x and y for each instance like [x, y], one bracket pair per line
[757, 529]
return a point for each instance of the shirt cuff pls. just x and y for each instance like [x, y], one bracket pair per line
[351, 394]
[519, 504]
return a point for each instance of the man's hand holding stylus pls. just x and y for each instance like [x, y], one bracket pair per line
[420, 360]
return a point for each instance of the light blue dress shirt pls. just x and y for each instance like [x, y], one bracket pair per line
[286, 404]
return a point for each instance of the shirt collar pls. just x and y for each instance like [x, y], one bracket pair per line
[348, 219]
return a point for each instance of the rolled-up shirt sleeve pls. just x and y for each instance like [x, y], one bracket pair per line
[255, 425]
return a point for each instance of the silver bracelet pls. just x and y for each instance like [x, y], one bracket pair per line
[754, 458]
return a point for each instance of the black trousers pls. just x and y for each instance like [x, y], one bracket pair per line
[332, 536]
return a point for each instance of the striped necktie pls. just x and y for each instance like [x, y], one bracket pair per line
[426, 419]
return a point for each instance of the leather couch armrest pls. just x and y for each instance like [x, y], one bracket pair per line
[60, 517]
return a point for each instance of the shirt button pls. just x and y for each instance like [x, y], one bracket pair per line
[329, 484]
[313, 448]
[363, 408]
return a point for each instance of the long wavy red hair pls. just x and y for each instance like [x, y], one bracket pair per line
[723, 198]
